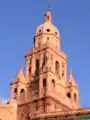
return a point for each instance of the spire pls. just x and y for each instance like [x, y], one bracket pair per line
[70, 71]
[47, 16]
[71, 78]
[19, 76]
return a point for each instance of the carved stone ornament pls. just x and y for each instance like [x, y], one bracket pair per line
[25, 113]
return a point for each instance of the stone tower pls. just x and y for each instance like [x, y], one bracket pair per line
[44, 87]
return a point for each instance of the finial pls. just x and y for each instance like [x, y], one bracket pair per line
[71, 78]
[47, 15]
[20, 69]
[70, 70]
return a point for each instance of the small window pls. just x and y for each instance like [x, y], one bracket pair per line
[15, 90]
[15, 93]
[57, 67]
[75, 97]
[69, 95]
[29, 70]
[44, 83]
[37, 64]
[56, 33]
[62, 73]
[53, 82]
[39, 31]
[44, 87]
[47, 38]
[48, 30]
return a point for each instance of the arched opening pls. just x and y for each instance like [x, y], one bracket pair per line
[63, 73]
[44, 83]
[37, 67]
[15, 93]
[47, 38]
[44, 87]
[68, 95]
[53, 85]
[75, 97]
[40, 31]
[48, 30]
[57, 67]
[29, 70]
[37, 64]
[22, 92]
[53, 82]
[22, 95]
[56, 33]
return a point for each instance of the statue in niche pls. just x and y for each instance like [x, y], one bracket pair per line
[45, 58]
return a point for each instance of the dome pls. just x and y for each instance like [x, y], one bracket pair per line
[47, 26]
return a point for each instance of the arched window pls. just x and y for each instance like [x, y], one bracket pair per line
[44, 83]
[40, 31]
[48, 30]
[68, 95]
[75, 97]
[44, 87]
[29, 70]
[56, 33]
[57, 67]
[15, 93]
[37, 64]
[22, 91]
[37, 67]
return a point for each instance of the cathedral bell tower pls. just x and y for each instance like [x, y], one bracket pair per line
[44, 87]
[46, 68]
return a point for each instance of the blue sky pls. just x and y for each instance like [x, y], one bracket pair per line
[18, 22]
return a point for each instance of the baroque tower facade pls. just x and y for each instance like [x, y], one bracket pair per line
[45, 87]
